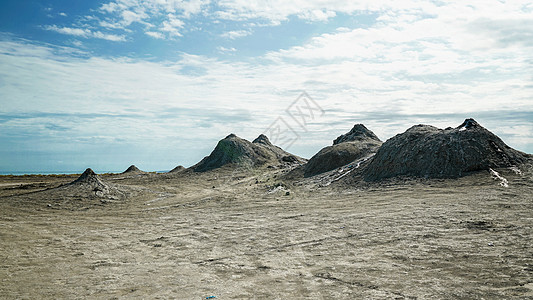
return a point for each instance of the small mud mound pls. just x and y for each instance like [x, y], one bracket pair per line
[427, 151]
[133, 170]
[235, 150]
[177, 169]
[89, 184]
[89, 190]
[356, 144]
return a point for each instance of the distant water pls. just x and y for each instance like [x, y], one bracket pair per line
[63, 172]
[49, 173]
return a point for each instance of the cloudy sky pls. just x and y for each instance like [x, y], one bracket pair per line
[157, 83]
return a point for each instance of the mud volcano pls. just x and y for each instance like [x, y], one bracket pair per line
[90, 179]
[133, 170]
[427, 151]
[358, 143]
[235, 150]
[177, 169]
[89, 185]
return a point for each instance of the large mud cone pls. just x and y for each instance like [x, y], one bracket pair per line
[235, 150]
[427, 151]
[358, 143]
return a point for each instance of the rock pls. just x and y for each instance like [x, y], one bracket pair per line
[290, 159]
[430, 152]
[496, 176]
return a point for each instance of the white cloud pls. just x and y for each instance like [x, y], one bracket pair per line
[236, 34]
[129, 17]
[317, 15]
[154, 34]
[160, 99]
[77, 43]
[165, 15]
[86, 33]
[69, 31]
[107, 24]
[62, 14]
[109, 37]
[224, 49]
[420, 62]
[315, 10]
[110, 7]
[188, 8]
[171, 16]
[172, 25]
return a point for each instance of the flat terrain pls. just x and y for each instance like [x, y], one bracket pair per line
[238, 234]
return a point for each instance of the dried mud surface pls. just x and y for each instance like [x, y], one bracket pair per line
[238, 234]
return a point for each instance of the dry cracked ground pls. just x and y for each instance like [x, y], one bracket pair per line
[252, 235]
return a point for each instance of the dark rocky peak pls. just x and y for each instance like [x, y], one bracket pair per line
[469, 123]
[357, 133]
[358, 143]
[262, 139]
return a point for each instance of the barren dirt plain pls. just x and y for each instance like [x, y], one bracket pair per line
[236, 233]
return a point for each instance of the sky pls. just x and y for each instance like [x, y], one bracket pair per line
[156, 83]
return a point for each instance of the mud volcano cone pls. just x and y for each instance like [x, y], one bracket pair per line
[262, 139]
[427, 151]
[235, 150]
[91, 180]
[132, 169]
[281, 155]
[359, 132]
[177, 169]
[358, 143]
[88, 176]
